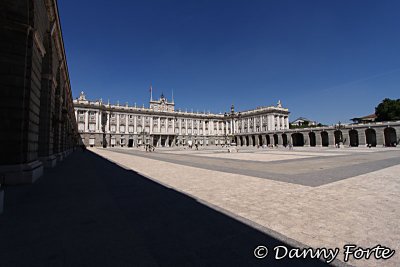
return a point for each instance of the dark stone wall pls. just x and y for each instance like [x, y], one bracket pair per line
[16, 48]
[35, 90]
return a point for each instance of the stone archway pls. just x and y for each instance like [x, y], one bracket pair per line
[353, 134]
[284, 140]
[267, 140]
[390, 136]
[370, 137]
[338, 137]
[253, 140]
[275, 139]
[298, 139]
[260, 141]
[247, 140]
[324, 138]
[313, 139]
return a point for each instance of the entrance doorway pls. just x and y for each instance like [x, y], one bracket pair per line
[284, 140]
[298, 139]
[353, 138]
[130, 143]
[370, 137]
[390, 136]
[313, 140]
[325, 138]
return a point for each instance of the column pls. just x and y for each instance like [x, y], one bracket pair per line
[280, 140]
[287, 122]
[306, 139]
[108, 122]
[180, 126]
[126, 124]
[318, 139]
[278, 123]
[269, 123]
[134, 125]
[380, 136]
[96, 115]
[331, 137]
[117, 130]
[159, 124]
[264, 139]
[151, 124]
[346, 137]
[361, 137]
[100, 121]
[86, 120]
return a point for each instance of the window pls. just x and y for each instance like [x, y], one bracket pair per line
[91, 127]
[130, 129]
[122, 128]
[81, 112]
[112, 128]
[81, 126]
[112, 115]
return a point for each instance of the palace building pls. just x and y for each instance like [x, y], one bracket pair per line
[161, 125]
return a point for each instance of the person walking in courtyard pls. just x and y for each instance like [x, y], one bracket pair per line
[290, 146]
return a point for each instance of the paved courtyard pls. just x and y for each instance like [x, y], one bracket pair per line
[320, 197]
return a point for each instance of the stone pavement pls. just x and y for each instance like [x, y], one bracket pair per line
[291, 166]
[362, 207]
[88, 211]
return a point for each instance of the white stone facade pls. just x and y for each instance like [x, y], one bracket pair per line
[103, 124]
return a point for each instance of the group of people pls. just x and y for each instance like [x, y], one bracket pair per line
[150, 148]
[195, 145]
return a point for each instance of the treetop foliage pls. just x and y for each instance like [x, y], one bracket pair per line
[388, 110]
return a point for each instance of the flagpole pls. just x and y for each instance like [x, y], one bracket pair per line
[151, 93]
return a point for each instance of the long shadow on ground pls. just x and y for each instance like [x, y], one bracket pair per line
[88, 211]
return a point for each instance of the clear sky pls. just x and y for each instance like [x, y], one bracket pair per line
[325, 60]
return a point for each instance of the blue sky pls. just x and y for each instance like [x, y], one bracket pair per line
[326, 60]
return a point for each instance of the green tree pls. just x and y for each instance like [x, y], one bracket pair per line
[388, 110]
